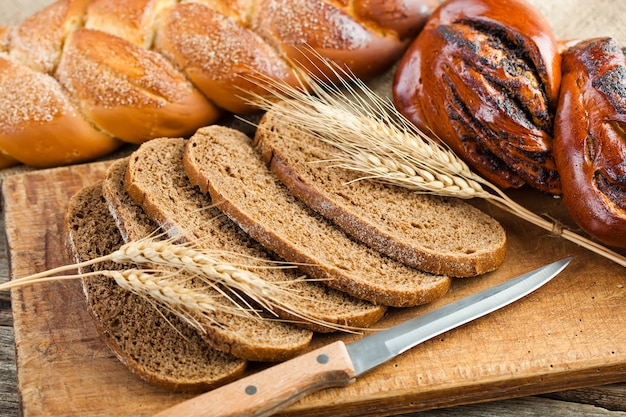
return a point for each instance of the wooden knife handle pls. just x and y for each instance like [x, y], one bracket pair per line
[268, 391]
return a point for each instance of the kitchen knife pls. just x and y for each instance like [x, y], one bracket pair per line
[338, 364]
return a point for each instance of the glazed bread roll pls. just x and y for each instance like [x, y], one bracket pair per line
[590, 138]
[81, 77]
[484, 78]
[520, 107]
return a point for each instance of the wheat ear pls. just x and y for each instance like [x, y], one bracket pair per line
[170, 292]
[374, 139]
[238, 284]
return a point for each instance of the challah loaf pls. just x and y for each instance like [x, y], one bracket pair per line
[80, 77]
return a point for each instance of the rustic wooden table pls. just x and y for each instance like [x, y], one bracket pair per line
[571, 18]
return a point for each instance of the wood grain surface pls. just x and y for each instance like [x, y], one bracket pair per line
[569, 334]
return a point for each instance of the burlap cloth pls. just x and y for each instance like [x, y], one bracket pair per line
[570, 19]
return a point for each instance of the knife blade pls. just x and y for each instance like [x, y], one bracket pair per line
[338, 364]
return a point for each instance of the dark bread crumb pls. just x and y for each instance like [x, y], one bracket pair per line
[435, 234]
[155, 178]
[156, 345]
[223, 162]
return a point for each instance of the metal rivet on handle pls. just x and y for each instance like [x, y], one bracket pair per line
[251, 390]
[323, 358]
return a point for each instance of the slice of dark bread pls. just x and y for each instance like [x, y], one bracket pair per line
[435, 234]
[248, 338]
[132, 222]
[222, 162]
[155, 179]
[156, 345]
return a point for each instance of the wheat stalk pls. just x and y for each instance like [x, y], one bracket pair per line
[172, 294]
[375, 140]
[202, 269]
[165, 289]
[209, 269]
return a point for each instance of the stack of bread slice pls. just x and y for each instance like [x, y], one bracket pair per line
[362, 247]
[160, 348]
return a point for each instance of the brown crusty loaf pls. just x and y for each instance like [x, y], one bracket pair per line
[439, 235]
[247, 338]
[141, 69]
[156, 345]
[156, 180]
[222, 162]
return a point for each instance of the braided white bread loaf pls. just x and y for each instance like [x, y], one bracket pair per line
[81, 77]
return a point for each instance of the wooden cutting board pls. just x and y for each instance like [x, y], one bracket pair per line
[568, 334]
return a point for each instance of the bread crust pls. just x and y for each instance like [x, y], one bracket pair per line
[431, 233]
[245, 189]
[305, 30]
[132, 93]
[404, 18]
[6, 160]
[40, 125]
[38, 41]
[189, 364]
[484, 79]
[135, 21]
[190, 32]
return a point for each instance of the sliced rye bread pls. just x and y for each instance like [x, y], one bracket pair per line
[132, 222]
[155, 179]
[222, 162]
[248, 338]
[435, 234]
[155, 345]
